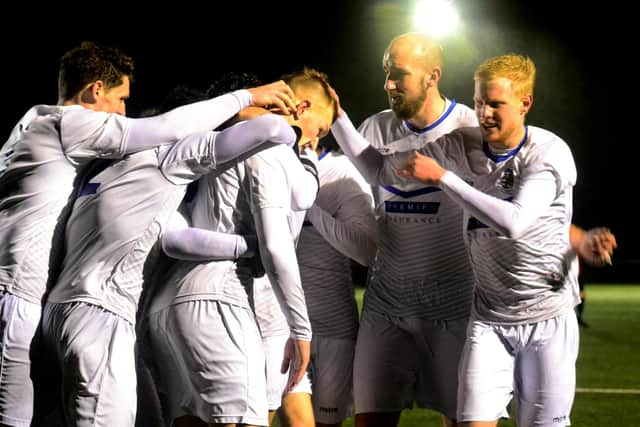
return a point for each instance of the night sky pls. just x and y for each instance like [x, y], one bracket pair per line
[584, 89]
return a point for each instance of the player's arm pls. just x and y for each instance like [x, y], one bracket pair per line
[200, 116]
[511, 218]
[182, 241]
[279, 259]
[352, 230]
[201, 153]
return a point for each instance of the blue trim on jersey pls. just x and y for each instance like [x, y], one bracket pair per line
[323, 155]
[498, 159]
[89, 188]
[434, 124]
[411, 207]
[413, 193]
[474, 223]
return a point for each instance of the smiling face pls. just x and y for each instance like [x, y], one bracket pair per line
[502, 98]
[500, 112]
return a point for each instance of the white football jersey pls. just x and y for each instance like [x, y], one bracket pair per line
[121, 209]
[39, 165]
[421, 268]
[341, 226]
[228, 202]
[532, 276]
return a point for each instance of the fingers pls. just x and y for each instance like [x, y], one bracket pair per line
[274, 96]
[600, 244]
[298, 367]
[295, 376]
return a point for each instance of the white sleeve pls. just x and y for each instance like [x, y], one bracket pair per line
[198, 244]
[304, 181]
[350, 225]
[200, 153]
[376, 168]
[353, 236]
[278, 254]
[169, 127]
[510, 218]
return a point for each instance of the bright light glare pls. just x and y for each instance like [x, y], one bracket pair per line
[436, 17]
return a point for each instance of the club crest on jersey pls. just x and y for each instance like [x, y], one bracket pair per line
[507, 180]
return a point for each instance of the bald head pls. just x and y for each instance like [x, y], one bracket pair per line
[420, 48]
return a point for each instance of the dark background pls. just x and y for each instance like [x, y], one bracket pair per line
[585, 57]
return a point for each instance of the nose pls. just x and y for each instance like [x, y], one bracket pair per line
[389, 84]
[484, 111]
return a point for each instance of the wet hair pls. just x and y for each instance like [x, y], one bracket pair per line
[88, 63]
[518, 68]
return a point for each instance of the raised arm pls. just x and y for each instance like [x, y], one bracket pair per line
[204, 115]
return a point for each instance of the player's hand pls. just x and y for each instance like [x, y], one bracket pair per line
[297, 354]
[276, 96]
[336, 98]
[596, 247]
[422, 168]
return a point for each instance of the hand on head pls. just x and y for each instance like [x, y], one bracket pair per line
[336, 98]
[276, 96]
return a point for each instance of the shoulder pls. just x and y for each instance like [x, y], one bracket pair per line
[378, 120]
[547, 143]
[548, 150]
[464, 115]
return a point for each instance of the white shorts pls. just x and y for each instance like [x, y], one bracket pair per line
[19, 320]
[332, 378]
[538, 358]
[276, 380]
[402, 361]
[95, 351]
[216, 360]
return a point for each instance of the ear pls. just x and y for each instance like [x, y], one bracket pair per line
[436, 73]
[301, 108]
[527, 102]
[433, 77]
[93, 92]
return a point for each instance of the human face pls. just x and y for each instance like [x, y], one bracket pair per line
[315, 123]
[404, 81]
[113, 100]
[500, 112]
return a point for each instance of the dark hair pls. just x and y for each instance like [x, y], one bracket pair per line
[180, 95]
[228, 82]
[88, 63]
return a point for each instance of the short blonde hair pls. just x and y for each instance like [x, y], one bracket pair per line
[315, 81]
[518, 68]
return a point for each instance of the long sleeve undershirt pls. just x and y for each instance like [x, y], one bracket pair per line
[149, 132]
[280, 262]
[511, 218]
[350, 237]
